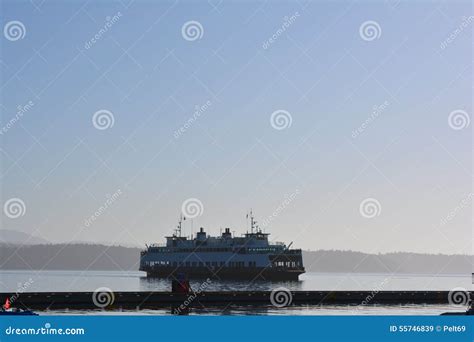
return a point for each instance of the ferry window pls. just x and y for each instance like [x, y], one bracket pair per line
[194, 263]
[187, 263]
[200, 264]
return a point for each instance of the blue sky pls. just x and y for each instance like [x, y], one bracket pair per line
[319, 69]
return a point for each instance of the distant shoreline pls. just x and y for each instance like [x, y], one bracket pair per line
[131, 273]
[95, 257]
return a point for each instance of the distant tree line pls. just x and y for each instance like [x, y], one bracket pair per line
[101, 257]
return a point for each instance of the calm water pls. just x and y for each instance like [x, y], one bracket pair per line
[38, 281]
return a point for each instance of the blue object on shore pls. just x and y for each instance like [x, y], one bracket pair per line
[17, 312]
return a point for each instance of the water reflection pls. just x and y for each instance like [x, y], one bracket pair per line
[63, 281]
[160, 284]
[270, 310]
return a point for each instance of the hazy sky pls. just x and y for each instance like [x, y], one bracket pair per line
[320, 66]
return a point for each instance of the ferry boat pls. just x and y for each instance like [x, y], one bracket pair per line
[248, 257]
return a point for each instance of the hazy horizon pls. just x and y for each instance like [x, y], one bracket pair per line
[343, 126]
[29, 240]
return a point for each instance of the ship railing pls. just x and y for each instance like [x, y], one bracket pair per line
[158, 245]
[292, 251]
